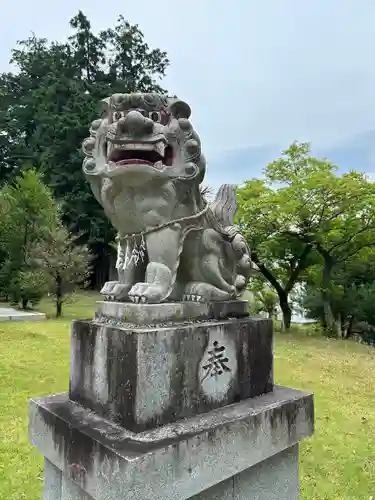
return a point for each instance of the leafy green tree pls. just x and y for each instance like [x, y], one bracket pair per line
[332, 213]
[28, 213]
[48, 103]
[265, 299]
[65, 265]
[301, 209]
[352, 285]
[280, 258]
[28, 286]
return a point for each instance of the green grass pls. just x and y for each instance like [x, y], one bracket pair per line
[337, 463]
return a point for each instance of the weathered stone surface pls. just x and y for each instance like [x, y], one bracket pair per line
[70, 491]
[172, 312]
[274, 479]
[179, 460]
[52, 481]
[172, 243]
[141, 378]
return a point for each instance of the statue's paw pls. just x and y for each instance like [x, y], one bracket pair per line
[147, 292]
[120, 292]
[136, 293]
[108, 287]
[206, 292]
[240, 283]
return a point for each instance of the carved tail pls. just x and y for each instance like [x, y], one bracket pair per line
[224, 206]
[224, 209]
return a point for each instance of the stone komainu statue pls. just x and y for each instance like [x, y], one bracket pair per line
[145, 166]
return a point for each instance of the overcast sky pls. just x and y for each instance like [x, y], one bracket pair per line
[255, 72]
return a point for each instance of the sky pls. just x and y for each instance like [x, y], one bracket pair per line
[256, 73]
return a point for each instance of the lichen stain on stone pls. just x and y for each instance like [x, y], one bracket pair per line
[76, 449]
[211, 435]
[285, 418]
[99, 367]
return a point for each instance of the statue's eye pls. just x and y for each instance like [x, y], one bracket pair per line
[155, 116]
[117, 115]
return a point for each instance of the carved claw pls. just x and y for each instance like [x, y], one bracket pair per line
[108, 287]
[192, 298]
[147, 292]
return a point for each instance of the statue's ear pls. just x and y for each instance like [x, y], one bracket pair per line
[180, 109]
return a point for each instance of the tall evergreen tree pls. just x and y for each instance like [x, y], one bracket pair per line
[48, 103]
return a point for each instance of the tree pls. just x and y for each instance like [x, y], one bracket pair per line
[265, 299]
[65, 264]
[352, 290]
[47, 105]
[28, 212]
[280, 258]
[132, 65]
[303, 209]
[334, 215]
[28, 286]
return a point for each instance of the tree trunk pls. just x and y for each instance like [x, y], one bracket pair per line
[59, 296]
[286, 310]
[283, 294]
[24, 303]
[58, 309]
[348, 332]
[338, 327]
[326, 282]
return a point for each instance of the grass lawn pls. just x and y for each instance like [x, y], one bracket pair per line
[337, 463]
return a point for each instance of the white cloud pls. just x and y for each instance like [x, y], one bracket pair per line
[254, 71]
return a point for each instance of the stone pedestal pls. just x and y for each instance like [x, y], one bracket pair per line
[176, 409]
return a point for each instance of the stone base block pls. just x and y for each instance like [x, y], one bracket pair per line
[274, 479]
[142, 378]
[245, 450]
[170, 312]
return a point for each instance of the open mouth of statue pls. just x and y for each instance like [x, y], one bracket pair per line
[156, 155]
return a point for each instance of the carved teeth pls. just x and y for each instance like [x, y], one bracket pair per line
[137, 146]
[109, 148]
[160, 148]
